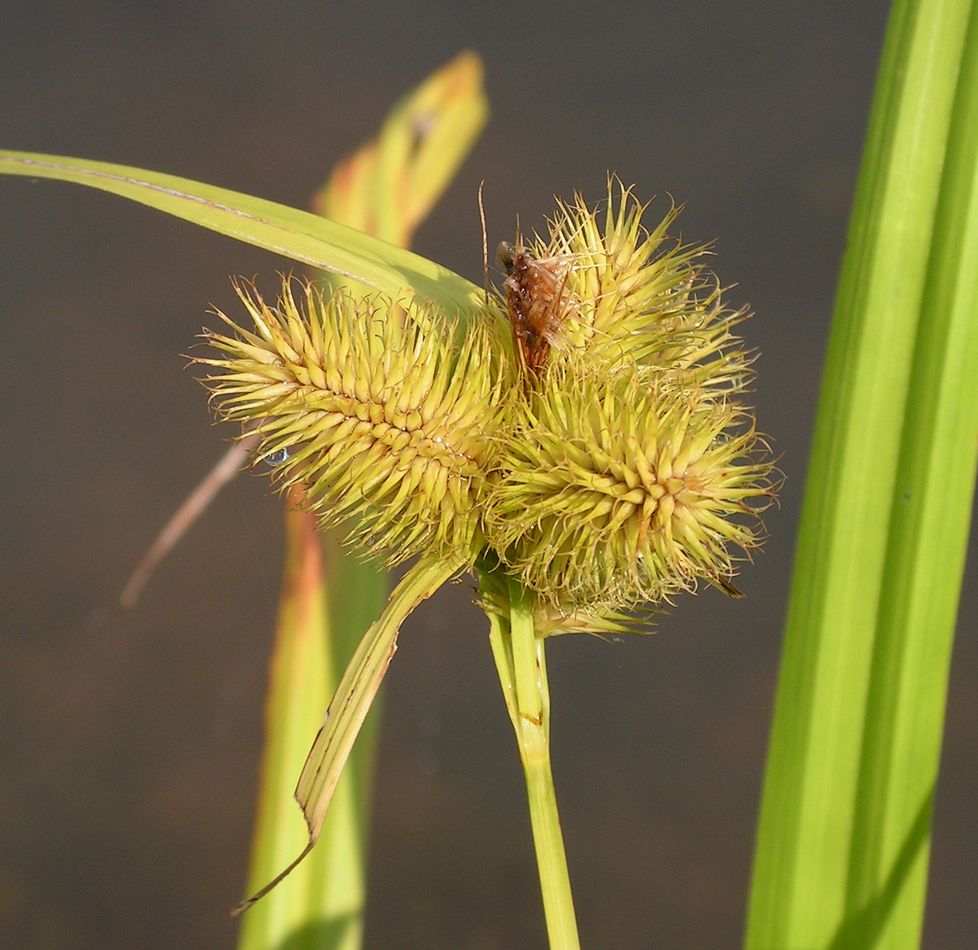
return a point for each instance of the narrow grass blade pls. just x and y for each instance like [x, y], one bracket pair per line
[327, 602]
[322, 905]
[419, 149]
[300, 675]
[299, 235]
[351, 702]
[845, 737]
[929, 525]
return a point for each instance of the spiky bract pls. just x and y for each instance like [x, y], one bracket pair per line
[373, 408]
[618, 489]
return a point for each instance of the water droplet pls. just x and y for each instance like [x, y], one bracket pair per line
[277, 457]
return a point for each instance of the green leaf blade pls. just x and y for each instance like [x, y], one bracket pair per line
[352, 701]
[930, 521]
[290, 232]
[802, 894]
[299, 679]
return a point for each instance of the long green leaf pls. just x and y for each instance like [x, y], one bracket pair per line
[300, 677]
[295, 234]
[929, 525]
[418, 149]
[842, 843]
[322, 904]
[328, 600]
[351, 702]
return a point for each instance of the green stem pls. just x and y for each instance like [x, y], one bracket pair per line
[520, 662]
[558, 902]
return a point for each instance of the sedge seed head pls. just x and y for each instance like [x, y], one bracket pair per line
[634, 295]
[617, 489]
[379, 411]
[631, 469]
[600, 448]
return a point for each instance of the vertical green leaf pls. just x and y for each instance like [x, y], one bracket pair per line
[323, 904]
[842, 845]
[391, 184]
[929, 523]
[330, 599]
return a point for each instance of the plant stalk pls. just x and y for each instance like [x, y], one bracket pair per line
[521, 664]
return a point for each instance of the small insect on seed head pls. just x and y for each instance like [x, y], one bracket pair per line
[538, 302]
[506, 255]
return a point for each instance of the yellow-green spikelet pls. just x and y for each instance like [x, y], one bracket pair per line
[380, 413]
[616, 490]
[630, 472]
[642, 296]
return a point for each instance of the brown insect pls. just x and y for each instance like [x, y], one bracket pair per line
[537, 301]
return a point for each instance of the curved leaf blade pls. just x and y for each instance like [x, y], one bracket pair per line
[298, 235]
[351, 702]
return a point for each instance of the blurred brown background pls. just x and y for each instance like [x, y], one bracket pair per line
[130, 740]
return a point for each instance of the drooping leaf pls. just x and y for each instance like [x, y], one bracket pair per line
[352, 700]
[298, 235]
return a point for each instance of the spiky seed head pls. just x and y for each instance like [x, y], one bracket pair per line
[615, 489]
[623, 469]
[641, 296]
[631, 471]
[383, 413]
